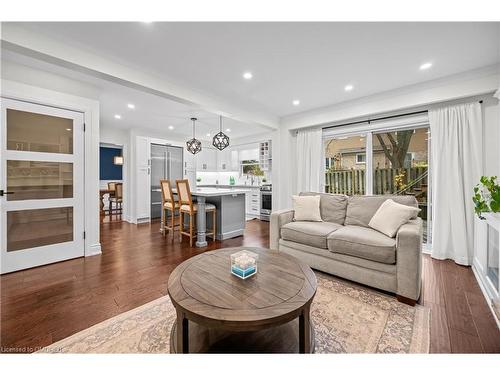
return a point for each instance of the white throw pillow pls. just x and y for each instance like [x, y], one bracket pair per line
[306, 208]
[390, 216]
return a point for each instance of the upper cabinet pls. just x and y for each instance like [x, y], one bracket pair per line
[213, 160]
[224, 160]
[206, 160]
[265, 155]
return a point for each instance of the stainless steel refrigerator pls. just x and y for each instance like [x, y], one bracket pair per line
[166, 164]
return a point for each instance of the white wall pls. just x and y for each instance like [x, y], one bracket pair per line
[416, 97]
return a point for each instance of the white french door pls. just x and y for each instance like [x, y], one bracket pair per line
[41, 185]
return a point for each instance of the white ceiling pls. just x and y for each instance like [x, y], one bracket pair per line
[150, 112]
[307, 61]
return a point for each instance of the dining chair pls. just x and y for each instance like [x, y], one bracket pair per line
[111, 193]
[117, 199]
[187, 207]
[168, 204]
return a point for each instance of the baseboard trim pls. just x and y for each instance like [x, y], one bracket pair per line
[228, 235]
[485, 293]
[92, 250]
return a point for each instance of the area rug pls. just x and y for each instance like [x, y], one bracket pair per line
[347, 317]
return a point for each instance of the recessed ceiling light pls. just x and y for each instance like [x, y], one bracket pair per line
[170, 127]
[425, 66]
[247, 75]
[228, 130]
[208, 134]
[348, 87]
[131, 106]
[296, 102]
[68, 129]
[118, 117]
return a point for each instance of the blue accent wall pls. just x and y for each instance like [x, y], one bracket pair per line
[108, 170]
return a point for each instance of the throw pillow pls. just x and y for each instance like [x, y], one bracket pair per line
[306, 208]
[390, 216]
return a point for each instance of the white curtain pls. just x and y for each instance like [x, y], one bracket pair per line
[309, 163]
[456, 146]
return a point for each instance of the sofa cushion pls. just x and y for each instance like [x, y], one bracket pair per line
[309, 233]
[329, 256]
[360, 209]
[332, 206]
[363, 243]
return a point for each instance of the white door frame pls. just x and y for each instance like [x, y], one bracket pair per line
[90, 110]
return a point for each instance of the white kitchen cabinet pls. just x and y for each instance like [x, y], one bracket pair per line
[235, 161]
[206, 160]
[224, 160]
[142, 170]
[252, 200]
[265, 155]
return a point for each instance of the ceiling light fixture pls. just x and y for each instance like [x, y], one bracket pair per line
[208, 134]
[193, 145]
[118, 117]
[228, 130]
[296, 102]
[247, 75]
[348, 87]
[220, 140]
[131, 106]
[171, 127]
[425, 66]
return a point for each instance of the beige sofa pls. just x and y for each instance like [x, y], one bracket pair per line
[344, 245]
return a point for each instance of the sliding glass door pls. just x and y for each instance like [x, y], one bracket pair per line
[401, 165]
[380, 162]
[345, 164]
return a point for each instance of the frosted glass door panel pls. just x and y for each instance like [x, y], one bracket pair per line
[33, 228]
[28, 179]
[35, 132]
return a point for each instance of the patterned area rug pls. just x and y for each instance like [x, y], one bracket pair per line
[347, 317]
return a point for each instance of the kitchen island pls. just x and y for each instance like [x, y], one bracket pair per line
[230, 205]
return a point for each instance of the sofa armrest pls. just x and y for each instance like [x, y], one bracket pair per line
[278, 219]
[409, 259]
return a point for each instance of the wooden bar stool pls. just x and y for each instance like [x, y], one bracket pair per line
[187, 207]
[169, 204]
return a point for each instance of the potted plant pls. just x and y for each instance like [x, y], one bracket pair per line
[486, 197]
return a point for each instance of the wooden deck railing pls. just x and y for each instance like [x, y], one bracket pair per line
[352, 181]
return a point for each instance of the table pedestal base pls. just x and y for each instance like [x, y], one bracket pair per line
[281, 339]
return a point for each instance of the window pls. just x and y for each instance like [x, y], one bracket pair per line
[251, 167]
[360, 158]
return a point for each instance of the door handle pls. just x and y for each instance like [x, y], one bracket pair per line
[3, 192]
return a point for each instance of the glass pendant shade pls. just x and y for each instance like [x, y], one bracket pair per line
[220, 140]
[193, 145]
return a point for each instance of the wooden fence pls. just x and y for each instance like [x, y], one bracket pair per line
[352, 181]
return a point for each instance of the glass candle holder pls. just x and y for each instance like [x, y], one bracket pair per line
[244, 264]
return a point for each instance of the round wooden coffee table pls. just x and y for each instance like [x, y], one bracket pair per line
[219, 312]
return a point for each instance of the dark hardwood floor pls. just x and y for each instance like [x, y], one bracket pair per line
[43, 305]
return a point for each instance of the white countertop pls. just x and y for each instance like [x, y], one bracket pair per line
[214, 192]
[238, 186]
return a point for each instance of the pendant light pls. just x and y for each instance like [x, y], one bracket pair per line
[193, 145]
[220, 141]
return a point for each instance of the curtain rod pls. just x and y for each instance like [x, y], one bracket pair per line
[380, 118]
